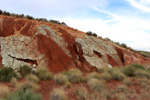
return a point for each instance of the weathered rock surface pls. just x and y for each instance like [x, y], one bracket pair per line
[58, 47]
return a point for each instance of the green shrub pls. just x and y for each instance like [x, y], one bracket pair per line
[136, 66]
[106, 76]
[74, 75]
[24, 95]
[25, 70]
[7, 73]
[61, 79]
[58, 94]
[44, 74]
[129, 71]
[96, 85]
[118, 75]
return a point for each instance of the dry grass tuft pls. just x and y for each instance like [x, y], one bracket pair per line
[58, 94]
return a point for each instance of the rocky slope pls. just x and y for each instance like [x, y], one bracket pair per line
[58, 47]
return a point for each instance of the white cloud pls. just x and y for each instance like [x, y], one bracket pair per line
[120, 29]
[142, 4]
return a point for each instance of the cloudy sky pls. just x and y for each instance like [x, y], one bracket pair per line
[124, 21]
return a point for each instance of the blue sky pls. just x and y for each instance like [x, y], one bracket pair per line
[124, 21]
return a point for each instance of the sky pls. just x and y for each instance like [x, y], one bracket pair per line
[124, 21]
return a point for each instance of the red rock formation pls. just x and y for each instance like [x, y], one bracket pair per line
[58, 47]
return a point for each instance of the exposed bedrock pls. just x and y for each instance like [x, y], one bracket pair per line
[58, 47]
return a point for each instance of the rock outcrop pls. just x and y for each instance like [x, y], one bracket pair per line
[58, 47]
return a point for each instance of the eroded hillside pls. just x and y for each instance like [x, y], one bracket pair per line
[58, 47]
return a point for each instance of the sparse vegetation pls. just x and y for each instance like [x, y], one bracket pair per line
[117, 75]
[93, 75]
[24, 95]
[61, 79]
[24, 70]
[44, 74]
[89, 33]
[31, 17]
[121, 88]
[82, 93]
[7, 73]
[58, 94]
[27, 85]
[106, 76]
[32, 78]
[127, 81]
[97, 85]
[74, 75]
[3, 91]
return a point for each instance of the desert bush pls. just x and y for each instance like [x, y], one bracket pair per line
[32, 78]
[105, 69]
[7, 73]
[127, 81]
[14, 82]
[44, 74]
[129, 71]
[4, 90]
[61, 79]
[27, 85]
[93, 75]
[74, 75]
[142, 74]
[121, 88]
[136, 66]
[82, 93]
[118, 75]
[96, 85]
[106, 76]
[24, 70]
[144, 82]
[24, 95]
[58, 94]
[68, 84]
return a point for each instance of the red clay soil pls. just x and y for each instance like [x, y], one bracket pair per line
[57, 59]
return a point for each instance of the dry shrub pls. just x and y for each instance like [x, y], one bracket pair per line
[121, 88]
[118, 75]
[32, 78]
[144, 82]
[106, 76]
[14, 82]
[97, 85]
[58, 94]
[75, 75]
[142, 74]
[44, 74]
[105, 69]
[27, 85]
[61, 79]
[4, 90]
[127, 81]
[93, 75]
[82, 93]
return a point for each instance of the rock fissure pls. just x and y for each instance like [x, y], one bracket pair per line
[25, 60]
